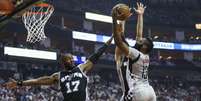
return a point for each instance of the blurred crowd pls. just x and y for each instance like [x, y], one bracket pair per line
[164, 20]
[102, 90]
[43, 93]
[175, 90]
[167, 14]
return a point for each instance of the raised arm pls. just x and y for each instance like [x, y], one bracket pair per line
[45, 80]
[120, 29]
[95, 57]
[139, 30]
[117, 35]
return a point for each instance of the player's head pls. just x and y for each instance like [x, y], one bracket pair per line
[145, 45]
[67, 61]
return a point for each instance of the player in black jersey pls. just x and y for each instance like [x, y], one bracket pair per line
[72, 81]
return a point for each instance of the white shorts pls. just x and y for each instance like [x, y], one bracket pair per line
[142, 93]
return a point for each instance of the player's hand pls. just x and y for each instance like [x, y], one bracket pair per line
[140, 8]
[114, 13]
[12, 84]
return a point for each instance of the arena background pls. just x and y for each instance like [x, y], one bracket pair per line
[175, 71]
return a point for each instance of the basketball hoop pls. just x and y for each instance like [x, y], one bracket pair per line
[35, 19]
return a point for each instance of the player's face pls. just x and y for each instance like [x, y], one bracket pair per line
[68, 61]
[144, 46]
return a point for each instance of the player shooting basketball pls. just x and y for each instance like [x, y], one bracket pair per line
[133, 67]
[72, 81]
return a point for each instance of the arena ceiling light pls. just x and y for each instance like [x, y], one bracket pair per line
[38, 54]
[198, 26]
[98, 17]
[96, 38]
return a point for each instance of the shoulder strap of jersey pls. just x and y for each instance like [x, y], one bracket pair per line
[132, 62]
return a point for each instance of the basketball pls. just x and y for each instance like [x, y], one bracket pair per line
[123, 11]
[6, 7]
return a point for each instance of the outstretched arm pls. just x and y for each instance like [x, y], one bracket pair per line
[139, 30]
[117, 35]
[95, 57]
[120, 29]
[45, 80]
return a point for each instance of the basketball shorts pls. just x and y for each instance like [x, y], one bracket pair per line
[141, 93]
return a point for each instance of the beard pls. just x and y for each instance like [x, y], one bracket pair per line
[138, 46]
[69, 66]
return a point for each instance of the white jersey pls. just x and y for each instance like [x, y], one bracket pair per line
[137, 71]
[137, 77]
[133, 75]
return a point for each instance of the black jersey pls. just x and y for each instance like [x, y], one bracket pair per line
[73, 85]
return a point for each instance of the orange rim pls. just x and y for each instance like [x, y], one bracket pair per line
[42, 5]
[31, 13]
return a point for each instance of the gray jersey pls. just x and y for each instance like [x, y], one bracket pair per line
[137, 72]
[133, 74]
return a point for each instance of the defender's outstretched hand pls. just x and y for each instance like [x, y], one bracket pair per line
[140, 8]
[11, 84]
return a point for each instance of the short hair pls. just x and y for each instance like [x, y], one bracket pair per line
[63, 56]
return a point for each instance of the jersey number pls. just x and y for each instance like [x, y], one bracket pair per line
[72, 86]
[144, 72]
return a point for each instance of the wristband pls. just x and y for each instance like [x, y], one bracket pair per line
[19, 83]
[94, 57]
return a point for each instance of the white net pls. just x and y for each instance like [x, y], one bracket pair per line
[34, 20]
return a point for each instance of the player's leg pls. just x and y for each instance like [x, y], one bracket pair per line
[143, 93]
[152, 94]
